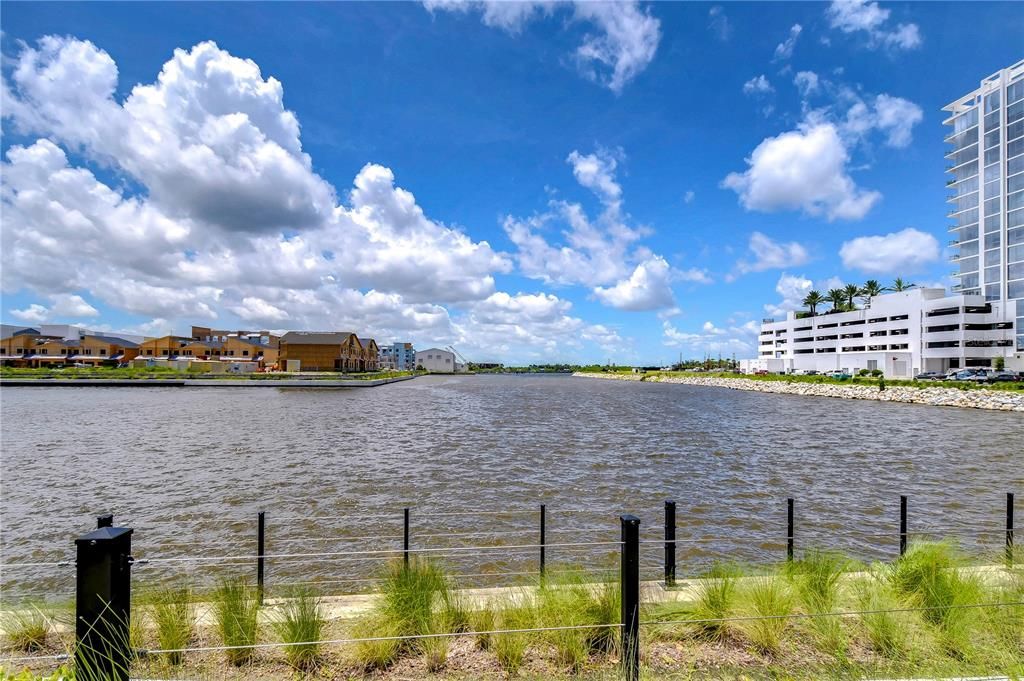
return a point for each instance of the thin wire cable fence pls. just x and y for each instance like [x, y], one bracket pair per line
[474, 545]
[540, 629]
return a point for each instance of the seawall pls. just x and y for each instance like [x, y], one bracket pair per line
[312, 383]
[1000, 400]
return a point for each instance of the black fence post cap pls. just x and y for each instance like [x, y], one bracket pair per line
[629, 519]
[104, 534]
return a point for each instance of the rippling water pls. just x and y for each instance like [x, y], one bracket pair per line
[190, 468]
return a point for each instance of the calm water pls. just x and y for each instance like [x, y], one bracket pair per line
[190, 468]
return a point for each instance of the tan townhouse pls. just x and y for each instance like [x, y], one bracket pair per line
[321, 351]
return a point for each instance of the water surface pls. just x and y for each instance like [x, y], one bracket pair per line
[190, 469]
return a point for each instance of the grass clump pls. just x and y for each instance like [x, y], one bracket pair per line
[566, 599]
[766, 597]
[26, 629]
[931, 576]
[483, 621]
[887, 632]
[174, 618]
[411, 595]
[716, 599]
[816, 578]
[236, 607]
[300, 620]
[415, 599]
[510, 649]
[376, 655]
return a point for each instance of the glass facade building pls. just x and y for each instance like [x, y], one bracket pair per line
[985, 164]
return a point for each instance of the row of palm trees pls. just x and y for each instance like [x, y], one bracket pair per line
[843, 299]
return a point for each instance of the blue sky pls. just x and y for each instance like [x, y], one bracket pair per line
[569, 181]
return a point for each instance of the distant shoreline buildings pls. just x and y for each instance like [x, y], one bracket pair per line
[924, 329]
[206, 349]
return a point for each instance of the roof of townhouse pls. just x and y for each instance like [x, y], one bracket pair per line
[316, 337]
[114, 340]
[366, 341]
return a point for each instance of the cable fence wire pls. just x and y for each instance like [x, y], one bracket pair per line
[370, 639]
[838, 613]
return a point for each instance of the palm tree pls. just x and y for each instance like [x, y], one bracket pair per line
[837, 297]
[870, 289]
[899, 285]
[851, 291]
[812, 301]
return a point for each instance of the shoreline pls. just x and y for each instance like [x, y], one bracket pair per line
[314, 383]
[996, 400]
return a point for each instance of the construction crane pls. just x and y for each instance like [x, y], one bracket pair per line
[458, 355]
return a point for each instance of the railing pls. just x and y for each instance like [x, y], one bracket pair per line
[104, 561]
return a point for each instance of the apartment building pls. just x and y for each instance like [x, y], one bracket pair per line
[902, 334]
[985, 165]
[398, 356]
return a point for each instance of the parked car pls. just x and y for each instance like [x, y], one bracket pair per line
[930, 376]
[976, 375]
[811, 372]
[997, 376]
[761, 372]
[840, 374]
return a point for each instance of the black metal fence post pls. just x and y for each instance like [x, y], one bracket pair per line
[789, 528]
[543, 519]
[670, 543]
[103, 604]
[405, 538]
[903, 524]
[261, 535]
[1009, 528]
[630, 591]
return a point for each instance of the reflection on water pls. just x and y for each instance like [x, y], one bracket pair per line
[190, 468]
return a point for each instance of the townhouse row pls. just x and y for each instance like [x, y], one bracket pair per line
[237, 351]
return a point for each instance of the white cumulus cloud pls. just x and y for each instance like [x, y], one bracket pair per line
[769, 254]
[802, 169]
[871, 20]
[897, 253]
[214, 212]
[647, 288]
[623, 43]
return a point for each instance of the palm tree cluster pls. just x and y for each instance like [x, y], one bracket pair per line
[844, 299]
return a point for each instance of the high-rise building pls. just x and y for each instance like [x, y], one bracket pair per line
[926, 329]
[986, 180]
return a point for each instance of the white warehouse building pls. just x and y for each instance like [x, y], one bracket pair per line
[438, 361]
[902, 334]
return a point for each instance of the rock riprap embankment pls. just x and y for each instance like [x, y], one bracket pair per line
[1001, 400]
